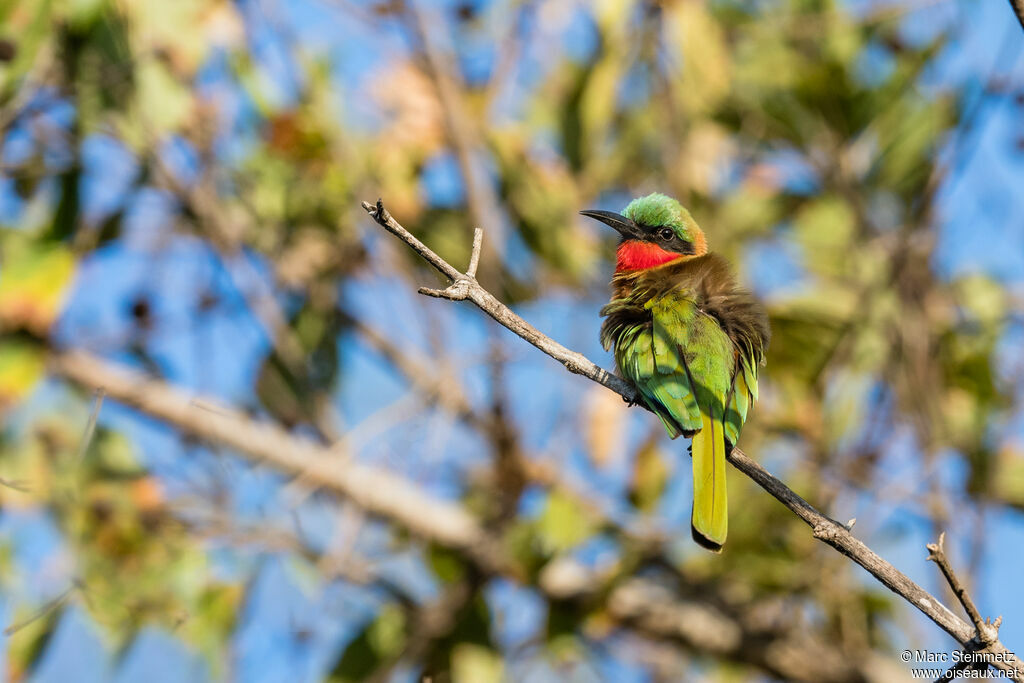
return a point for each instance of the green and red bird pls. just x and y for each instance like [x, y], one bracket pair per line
[690, 339]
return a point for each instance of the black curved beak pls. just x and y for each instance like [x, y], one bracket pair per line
[626, 227]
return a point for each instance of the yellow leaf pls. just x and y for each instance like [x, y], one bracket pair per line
[21, 366]
[33, 284]
[163, 101]
[981, 297]
[701, 48]
[1009, 478]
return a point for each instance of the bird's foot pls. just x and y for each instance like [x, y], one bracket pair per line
[630, 402]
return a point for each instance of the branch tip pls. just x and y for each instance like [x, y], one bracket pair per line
[474, 258]
[986, 630]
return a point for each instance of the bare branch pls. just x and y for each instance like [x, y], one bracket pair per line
[384, 219]
[573, 361]
[987, 630]
[954, 672]
[636, 603]
[701, 624]
[378, 492]
[1018, 9]
[825, 529]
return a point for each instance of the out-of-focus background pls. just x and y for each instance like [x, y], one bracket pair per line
[179, 194]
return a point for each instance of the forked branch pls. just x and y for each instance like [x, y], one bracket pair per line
[987, 630]
[465, 287]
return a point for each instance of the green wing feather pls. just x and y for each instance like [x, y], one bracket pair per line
[660, 377]
[744, 393]
[690, 344]
[689, 372]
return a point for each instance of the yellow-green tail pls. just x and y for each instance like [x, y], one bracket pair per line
[710, 518]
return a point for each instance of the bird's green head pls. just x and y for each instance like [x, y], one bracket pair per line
[655, 230]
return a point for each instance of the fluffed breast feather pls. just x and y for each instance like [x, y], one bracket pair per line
[709, 280]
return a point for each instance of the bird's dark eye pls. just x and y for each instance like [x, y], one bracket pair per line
[666, 234]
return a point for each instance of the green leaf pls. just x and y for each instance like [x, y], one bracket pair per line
[387, 632]
[563, 524]
[382, 639]
[29, 643]
[650, 477]
[114, 454]
[357, 662]
[446, 564]
[825, 228]
[476, 664]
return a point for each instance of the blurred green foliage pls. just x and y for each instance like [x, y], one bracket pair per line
[763, 119]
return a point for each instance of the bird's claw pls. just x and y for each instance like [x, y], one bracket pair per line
[630, 402]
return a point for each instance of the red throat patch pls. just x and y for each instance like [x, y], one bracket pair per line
[637, 255]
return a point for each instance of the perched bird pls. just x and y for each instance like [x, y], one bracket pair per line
[689, 338]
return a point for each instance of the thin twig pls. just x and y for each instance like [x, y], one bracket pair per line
[825, 529]
[15, 485]
[53, 604]
[90, 426]
[987, 630]
[474, 257]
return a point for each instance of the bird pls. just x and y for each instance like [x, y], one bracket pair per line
[690, 339]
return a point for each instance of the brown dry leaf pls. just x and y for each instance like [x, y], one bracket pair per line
[708, 148]
[603, 425]
[763, 179]
[223, 25]
[147, 493]
[310, 253]
[168, 29]
[410, 103]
